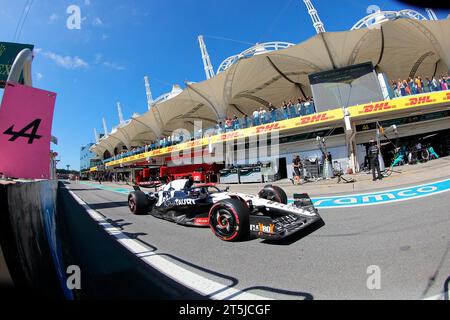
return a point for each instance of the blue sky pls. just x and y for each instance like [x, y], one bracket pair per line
[120, 41]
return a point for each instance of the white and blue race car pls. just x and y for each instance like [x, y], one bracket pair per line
[231, 216]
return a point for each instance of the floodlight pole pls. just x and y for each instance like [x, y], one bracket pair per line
[317, 23]
[205, 57]
[148, 93]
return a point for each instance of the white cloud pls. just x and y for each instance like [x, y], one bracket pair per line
[97, 22]
[67, 62]
[108, 64]
[39, 76]
[104, 37]
[53, 18]
[98, 58]
[113, 65]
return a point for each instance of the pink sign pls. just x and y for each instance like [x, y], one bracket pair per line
[26, 116]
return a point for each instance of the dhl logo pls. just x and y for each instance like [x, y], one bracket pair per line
[268, 128]
[419, 100]
[314, 119]
[377, 107]
[447, 96]
[231, 135]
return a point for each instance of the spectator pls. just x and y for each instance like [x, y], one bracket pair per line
[300, 107]
[412, 86]
[443, 84]
[434, 84]
[246, 121]
[236, 123]
[262, 115]
[292, 109]
[228, 124]
[285, 110]
[418, 83]
[273, 112]
[394, 89]
[255, 118]
[219, 127]
[407, 88]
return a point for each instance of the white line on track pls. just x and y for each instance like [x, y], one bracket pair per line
[198, 283]
[440, 296]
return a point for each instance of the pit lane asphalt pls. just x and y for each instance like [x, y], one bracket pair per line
[409, 241]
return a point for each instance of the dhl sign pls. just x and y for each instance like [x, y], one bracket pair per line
[315, 118]
[322, 117]
[400, 103]
[93, 169]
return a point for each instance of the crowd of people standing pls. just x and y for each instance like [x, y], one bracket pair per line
[417, 85]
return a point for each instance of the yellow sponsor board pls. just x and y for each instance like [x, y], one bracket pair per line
[93, 169]
[403, 103]
[299, 122]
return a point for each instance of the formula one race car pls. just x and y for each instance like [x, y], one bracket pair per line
[231, 216]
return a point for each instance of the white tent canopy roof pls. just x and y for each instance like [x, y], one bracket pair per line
[399, 48]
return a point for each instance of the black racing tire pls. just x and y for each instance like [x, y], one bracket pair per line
[229, 220]
[138, 202]
[273, 193]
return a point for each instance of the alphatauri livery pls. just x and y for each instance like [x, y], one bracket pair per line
[231, 216]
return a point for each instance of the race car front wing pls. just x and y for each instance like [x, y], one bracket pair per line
[282, 226]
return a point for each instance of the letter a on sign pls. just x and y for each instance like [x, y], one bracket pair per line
[26, 116]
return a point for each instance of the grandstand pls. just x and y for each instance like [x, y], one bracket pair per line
[399, 45]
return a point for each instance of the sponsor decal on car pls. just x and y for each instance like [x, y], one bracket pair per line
[201, 221]
[184, 202]
[261, 228]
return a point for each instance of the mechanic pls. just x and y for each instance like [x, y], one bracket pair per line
[374, 152]
[297, 166]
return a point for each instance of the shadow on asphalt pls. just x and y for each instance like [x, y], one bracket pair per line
[297, 236]
[109, 205]
[234, 282]
[110, 271]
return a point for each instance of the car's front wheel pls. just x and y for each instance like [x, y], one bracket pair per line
[229, 220]
[138, 202]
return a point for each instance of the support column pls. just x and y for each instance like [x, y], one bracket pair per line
[350, 134]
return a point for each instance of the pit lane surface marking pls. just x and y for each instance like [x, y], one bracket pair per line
[354, 200]
[202, 285]
[382, 197]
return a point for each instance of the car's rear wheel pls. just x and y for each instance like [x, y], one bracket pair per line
[138, 202]
[229, 220]
[273, 193]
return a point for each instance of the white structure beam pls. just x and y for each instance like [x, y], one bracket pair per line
[205, 57]
[148, 93]
[317, 23]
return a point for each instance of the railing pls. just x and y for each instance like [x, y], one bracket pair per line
[293, 111]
